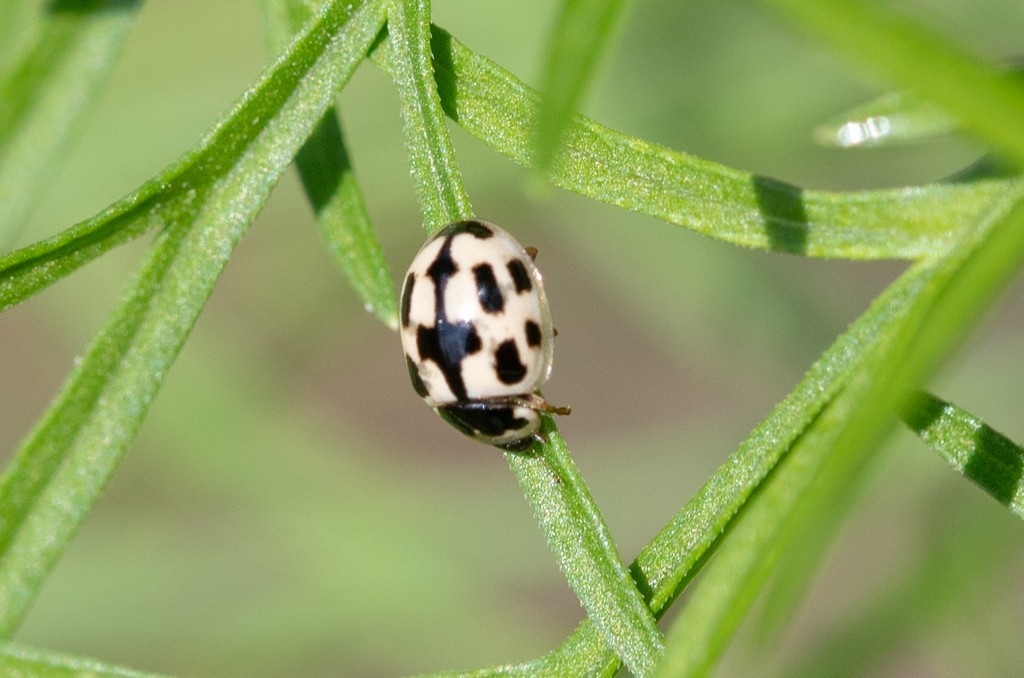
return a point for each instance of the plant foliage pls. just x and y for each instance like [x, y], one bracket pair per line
[964, 240]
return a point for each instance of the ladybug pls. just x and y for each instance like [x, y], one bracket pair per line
[477, 333]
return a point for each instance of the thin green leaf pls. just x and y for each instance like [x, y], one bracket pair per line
[984, 99]
[583, 30]
[826, 502]
[756, 541]
[676, 554]
[46, 94]
[67, 460]
[432, 159]
[682, 548]
[575, 531]
[574, 528]
[30, 269]
[982, 454]
[586, 552]
[331, 186]
[20, 661]
[178, 189]
[829, 458]
[893, 118]
[710, 199]
[330, 183]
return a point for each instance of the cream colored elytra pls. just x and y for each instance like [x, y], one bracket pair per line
[477, 332]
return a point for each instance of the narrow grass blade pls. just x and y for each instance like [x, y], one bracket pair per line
[181, 187]
[47, 93]
[582, 32]
[574, 528]
[586, 552]
[711, 199]
[330, 183]
[982, 98]
[20, 661]
[683, 547]
[891, 119]
[671, 560]
[331, 186]
[63, 466]
[894, 118]
[30, 269]
[816, 477]
[980, 453]
[434, 170]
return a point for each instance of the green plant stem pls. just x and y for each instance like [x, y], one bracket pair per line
[46, 96]
[710, 199]
[489, 103]
[888, 120]
[574, 528]
[64, 465]
[20, 661]
[985, 100]
[434, 170]
[332, 189]
[586, 552]
[979, 452]
[672, 560]
[674, 557]
[582, 30]
[834, 454]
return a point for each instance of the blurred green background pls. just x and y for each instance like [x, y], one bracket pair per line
[291, 508]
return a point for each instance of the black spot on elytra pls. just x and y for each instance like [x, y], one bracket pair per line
[473, 343]
[533, 335]
[487, 289]
[520, 276]
[488, 421]
[508, 366]
[414, 376]
[473, 227]
[446, 343]
[441, 269]
[477, 228]
[407, 297]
